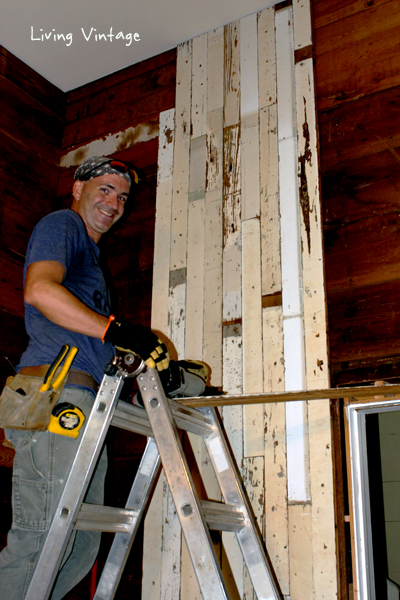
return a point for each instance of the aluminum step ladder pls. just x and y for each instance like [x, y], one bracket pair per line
[159, 422]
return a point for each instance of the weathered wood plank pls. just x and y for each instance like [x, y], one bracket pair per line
[11, 290]
[253, 482]
[194, 333]
[300, 554]
[162, 236]
[170, 583]
[266, 58]
[269, 184]
[153, 530]
[215, 69]
[212, 351]
[232, 73]
[250, 170]
[181, 160]
[302, 23]
[199, 86]
[253, 441]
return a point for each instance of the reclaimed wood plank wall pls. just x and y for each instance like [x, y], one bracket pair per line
[239, 283]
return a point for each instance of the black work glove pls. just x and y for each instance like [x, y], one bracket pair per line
[139, 340]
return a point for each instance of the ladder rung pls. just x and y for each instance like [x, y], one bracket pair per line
[94, 517]
[133, 418]
[223, 517]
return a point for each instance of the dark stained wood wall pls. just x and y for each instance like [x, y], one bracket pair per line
[357, 58]
[32, 121]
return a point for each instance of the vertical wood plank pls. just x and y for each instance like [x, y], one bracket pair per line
[152, 554]
[300, 544]
[195, 281]
[153, 527]
[253, 482]
[266, 58]
[162, 234]
[199, 86]
[249, 118]
[215, 70]
[302, 20]
[171, 548]
[252, 337]
[232, 74]
[321, 468]
[269, 183]
[181, 156]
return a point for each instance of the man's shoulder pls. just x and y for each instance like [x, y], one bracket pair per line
[64, 216]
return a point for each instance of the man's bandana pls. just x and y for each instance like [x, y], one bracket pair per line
[102, 165]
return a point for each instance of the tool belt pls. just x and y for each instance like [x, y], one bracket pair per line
[24, 406]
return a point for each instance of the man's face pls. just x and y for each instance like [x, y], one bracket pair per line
[100, 202]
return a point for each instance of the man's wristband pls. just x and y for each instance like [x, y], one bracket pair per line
[110, 320]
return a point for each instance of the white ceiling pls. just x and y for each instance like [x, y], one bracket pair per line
[160, 25]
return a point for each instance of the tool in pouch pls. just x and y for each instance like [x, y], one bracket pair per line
[27, 400]
[65, 419]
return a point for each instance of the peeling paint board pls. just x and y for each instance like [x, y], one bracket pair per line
[273, 357]
[302, 23]
[248, 71]
[232, 160]
[215, 69]
[215, 140]
[250, 170]
[300, 555]
[197, 170]
[199, 85]
[195, 281]
[162, 236]
[311, 229]
[181, 157]
[253, 482]
[292, 297]
[266, 58]
[171, 548]
[270, 213]
[322, 493]
[276, 509]
[232, 73]
[232, 283]
[252, 336]
[285, 73]
[151, 581]
[177, 319]
[212, 350]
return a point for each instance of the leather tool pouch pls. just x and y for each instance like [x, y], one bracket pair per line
[22, 406]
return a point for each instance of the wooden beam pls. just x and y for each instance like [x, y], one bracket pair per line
[357, 392]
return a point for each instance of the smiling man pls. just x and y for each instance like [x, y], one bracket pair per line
[67, 302]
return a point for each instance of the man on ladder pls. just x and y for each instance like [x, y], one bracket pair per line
[67, 305]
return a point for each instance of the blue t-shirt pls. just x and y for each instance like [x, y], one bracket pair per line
[62, 236]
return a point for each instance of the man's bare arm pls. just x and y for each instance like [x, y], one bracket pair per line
[44, 291]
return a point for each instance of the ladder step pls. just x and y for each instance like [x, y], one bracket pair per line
[223, 517]
[93, 517]
[133, 418]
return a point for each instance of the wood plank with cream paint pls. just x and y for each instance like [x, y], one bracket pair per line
[266, 58]
[199, 86]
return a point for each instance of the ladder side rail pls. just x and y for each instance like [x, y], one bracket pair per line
[75, 487]
[187, 504]
[258, 564]
[138, 499]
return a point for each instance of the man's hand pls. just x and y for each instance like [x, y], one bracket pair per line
[140, 340]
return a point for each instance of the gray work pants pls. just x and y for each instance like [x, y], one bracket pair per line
[41, 465]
